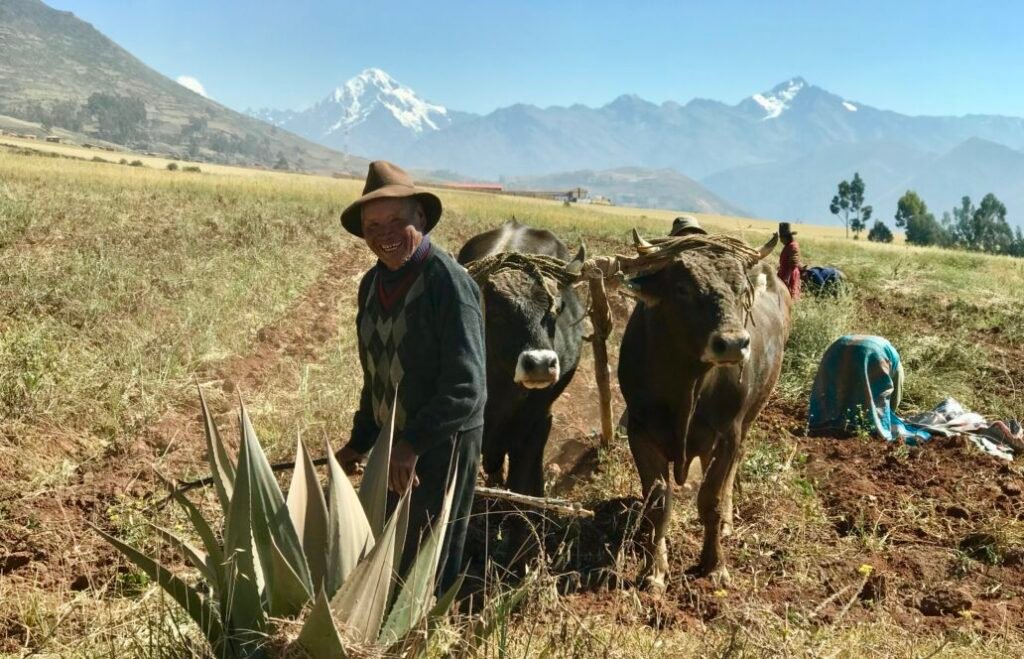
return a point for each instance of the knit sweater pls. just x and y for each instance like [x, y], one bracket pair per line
[429, 345]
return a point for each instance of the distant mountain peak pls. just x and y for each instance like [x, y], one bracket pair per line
[373, 89]
[779, 99]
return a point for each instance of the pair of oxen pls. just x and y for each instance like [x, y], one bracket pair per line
[699, 358]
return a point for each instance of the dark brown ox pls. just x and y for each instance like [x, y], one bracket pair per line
[700, 355]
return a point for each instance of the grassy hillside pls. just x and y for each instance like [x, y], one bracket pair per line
[121, 288]
[53, 62]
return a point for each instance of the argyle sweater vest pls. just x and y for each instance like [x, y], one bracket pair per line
[381, 332]
[429, 347]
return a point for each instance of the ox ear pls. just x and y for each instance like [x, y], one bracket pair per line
[575, 267]
[767, 248]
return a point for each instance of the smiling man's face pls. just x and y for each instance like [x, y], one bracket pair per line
[393, 229]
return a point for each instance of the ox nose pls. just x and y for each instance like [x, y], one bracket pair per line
[537, 369]
[728, 347]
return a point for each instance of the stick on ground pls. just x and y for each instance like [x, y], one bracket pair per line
[562, 506]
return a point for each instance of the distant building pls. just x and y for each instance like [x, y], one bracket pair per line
[53, 138]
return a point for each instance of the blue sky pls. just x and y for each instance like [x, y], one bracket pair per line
[914, 57]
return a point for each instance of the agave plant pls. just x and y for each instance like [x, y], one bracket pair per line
[329, 562]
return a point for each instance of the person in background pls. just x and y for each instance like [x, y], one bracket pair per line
[789, 260]
[686, 225]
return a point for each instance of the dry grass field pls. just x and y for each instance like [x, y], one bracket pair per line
[121, 288]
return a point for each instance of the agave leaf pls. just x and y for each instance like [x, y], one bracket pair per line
[202, 528]
[401, 531]
[198, 608]
[270, 520]
[196, 557]
[416, 595]
[373, 491]
[360, 602]
[286, 595]
[308, 512]
[241, 604]
[349, 537]
[445, 601]
[319, 637]
[220, 464]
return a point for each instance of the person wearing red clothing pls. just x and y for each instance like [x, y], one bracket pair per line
[789, 260]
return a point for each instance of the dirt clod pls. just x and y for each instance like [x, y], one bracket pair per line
[957, 512]
[12, 562]
[945, 602]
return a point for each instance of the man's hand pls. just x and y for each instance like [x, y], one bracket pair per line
[403, 468]
[351, 460]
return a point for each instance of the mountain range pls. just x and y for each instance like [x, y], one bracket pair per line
[778, 153]
[52, 63]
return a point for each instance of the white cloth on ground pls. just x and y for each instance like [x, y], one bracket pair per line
[949, 418]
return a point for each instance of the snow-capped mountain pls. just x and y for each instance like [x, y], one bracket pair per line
[777, 153]
[777, 101]
[371, 113]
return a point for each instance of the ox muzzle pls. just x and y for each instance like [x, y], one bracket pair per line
[725, 348]
[537, 369]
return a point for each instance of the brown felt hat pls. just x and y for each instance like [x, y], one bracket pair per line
[785, 229]
[385, 180]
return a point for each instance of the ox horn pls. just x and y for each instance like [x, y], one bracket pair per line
[642, 246]
[575, 267]
[767, 248]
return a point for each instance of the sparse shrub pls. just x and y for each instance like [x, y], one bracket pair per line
[136, 163]
[172, 166]
[880, 233]
[191, 168]
[122, 161]
[98, 159]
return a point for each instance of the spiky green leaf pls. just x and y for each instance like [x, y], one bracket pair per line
[286, 595]
[319, 636]
[308, 511]
[417, 593]
[361, 601]
[373, 491]
[349, 537]
[196, 557]
[202, 528]
[241, 604]
[269, 517]
[198, 608]
[220, 463]
[445, 602]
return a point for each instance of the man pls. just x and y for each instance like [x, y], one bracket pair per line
[686, 225]
[421, 333]
[789, 260]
